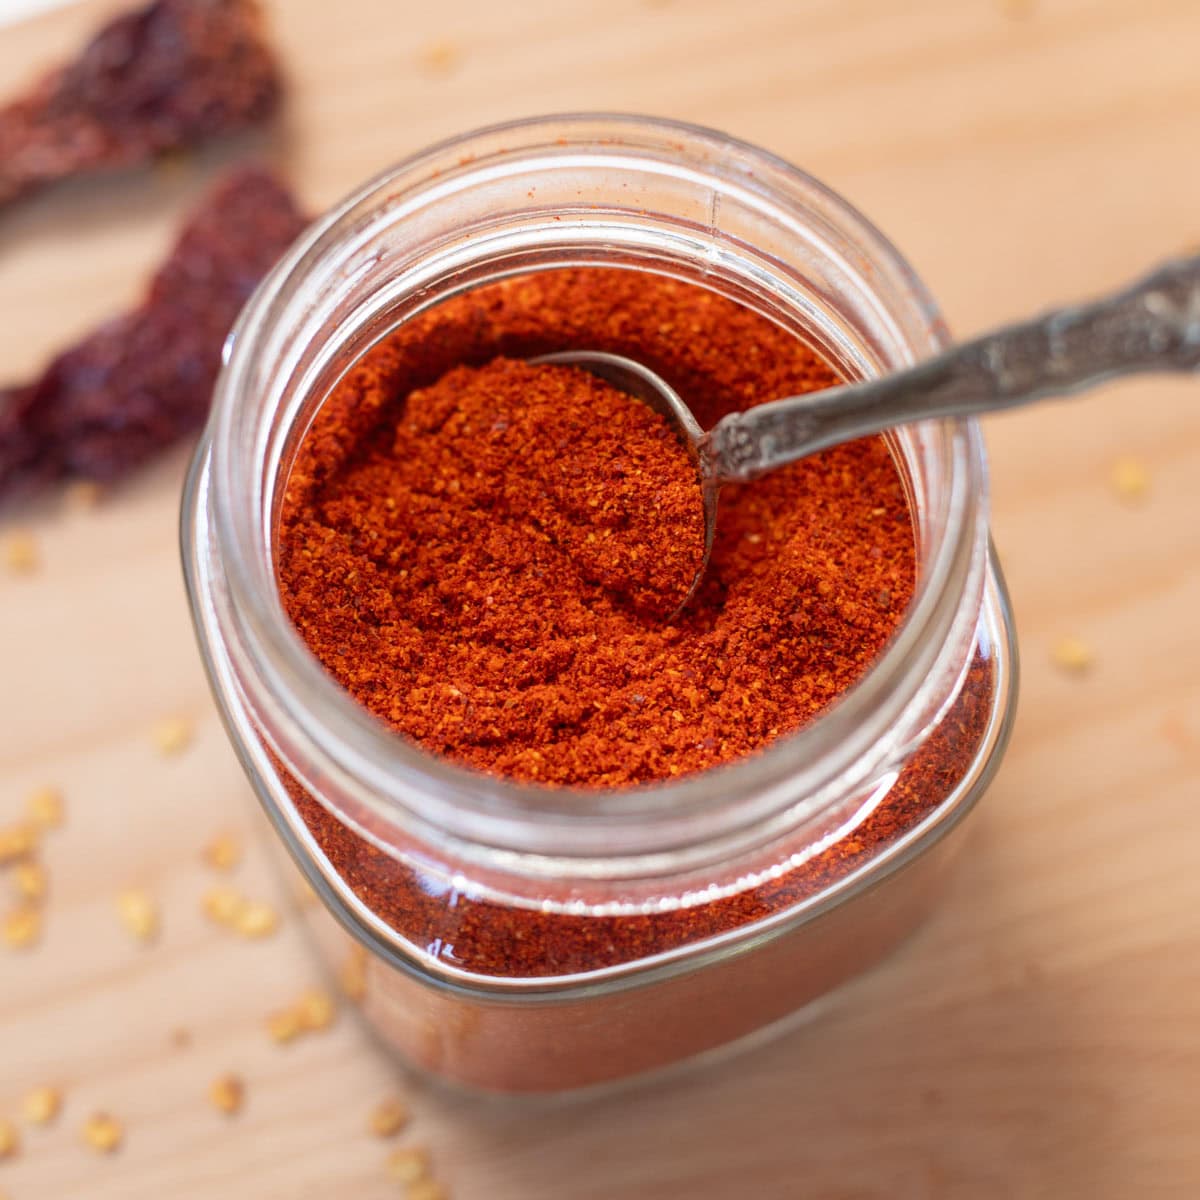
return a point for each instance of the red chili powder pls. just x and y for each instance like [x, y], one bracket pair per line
[508, 491]
[434, 553]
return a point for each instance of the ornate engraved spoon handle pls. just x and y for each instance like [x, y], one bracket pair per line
[1154, 325]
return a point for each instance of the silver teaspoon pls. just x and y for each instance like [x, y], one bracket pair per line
[1152, 325]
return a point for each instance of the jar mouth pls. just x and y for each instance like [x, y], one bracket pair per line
[235, 489]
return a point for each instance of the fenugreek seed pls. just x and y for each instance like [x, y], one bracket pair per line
[22, 927]
[425, 1189]
[256, 919]
[139, 914]
[103, 1133]
[285, 1025]
[388, 1118]
[17, 842]
[409, 1164]
[1130, 479]
[20, 552]
[222, 904]
[173, 735]
[440, 58]
[30, 878]
[223, 853]
[226, 1093]
[316, 1009]
[45, 807]
[10, 1140]
[1072, 654]
[41, 1105]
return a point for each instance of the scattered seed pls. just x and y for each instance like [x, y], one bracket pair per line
[10, 1140]
[22, 927]
[173, 735]
[45, 807]
[17, 842]
[41, 1105]
[223, 853]
[389, 1117]
[316, 1010]
[256, 919]
[30, 878]
[21, 552]
[181, 1038]
[285, 1025]
[139, 914]
[251, 918]
[1072, 654]
[102, 1132]
[226, 1093]
[353, 974]
[440, 58]
[222, 904]
[425, 1189]
[409, 1164]
[1130, 479]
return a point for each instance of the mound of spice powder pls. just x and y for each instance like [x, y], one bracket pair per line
[449, 610]
[449, 572]
[503, 481]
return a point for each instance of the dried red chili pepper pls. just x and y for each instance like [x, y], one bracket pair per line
[167, 76]
[143, 380]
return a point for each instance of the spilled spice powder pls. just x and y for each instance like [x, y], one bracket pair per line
[447, 610]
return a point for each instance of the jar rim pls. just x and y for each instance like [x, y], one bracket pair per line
[405, 784]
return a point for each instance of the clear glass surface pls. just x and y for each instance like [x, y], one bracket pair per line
[585, 190]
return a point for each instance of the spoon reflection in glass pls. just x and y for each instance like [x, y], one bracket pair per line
[1153, 325]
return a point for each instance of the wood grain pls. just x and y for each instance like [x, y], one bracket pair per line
[1040, 1037]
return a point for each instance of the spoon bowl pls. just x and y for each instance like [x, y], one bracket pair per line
[643, 384]
[1153, 325]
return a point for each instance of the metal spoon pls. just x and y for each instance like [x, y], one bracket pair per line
[1153, 325]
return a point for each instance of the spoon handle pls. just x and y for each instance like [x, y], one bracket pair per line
[1153, 325]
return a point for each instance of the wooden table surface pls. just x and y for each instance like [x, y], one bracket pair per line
[1041, 1037]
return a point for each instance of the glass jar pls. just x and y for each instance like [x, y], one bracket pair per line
[640, 875]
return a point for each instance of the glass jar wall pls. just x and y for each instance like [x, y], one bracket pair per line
[668, 920]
